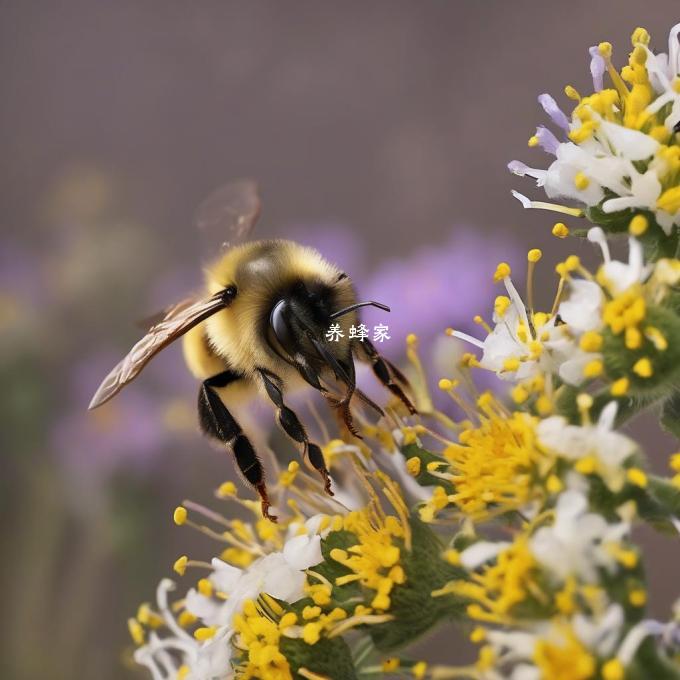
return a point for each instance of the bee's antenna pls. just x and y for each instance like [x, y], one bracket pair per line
[351, 308]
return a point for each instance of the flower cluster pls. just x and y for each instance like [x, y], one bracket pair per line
[509, 513]
[617, 157]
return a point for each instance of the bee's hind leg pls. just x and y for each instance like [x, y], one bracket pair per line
[217, 422]
[388, 374]
[292, 426]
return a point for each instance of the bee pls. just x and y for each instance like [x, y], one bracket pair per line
[261, 324]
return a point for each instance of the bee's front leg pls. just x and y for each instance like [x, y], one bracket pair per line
[217, 422]
[292, 426]
[388, 374]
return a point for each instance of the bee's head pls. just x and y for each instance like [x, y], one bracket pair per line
[301, 314]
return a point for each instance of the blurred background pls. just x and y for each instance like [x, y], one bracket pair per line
[378, 131]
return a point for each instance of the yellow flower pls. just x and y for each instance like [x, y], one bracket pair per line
[493, 466]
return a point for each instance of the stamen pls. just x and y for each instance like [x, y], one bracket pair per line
[542, 205]
[558, 296]
[467, 338]
[533, 256]
[480, 321]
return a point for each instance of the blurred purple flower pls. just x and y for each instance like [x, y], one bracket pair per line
[435, 287]
[128, 432]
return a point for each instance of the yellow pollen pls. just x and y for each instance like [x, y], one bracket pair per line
[226, 489]
[593, 369]
[205, 587]
[640, 36]
[587, 465]
[638, 225]
[533, 141]
[413, 466]
[202, 634]
[572, 93]
[502, 271]
[411, 339]
[391, 664]
[633, 338]
[186, 619]
[519, 394]
[613, 670]
[620, 387]
[554, 484]
[581, 182]
[478, 635]
[452, 557]
[445, 384]
[501, 304]
[638, 597]
[136, 631]
[180, 515]
[643, 368]
[511, 364]
[419, 670]
[669, 201]
[560, 230]
[636, 477]
[544, 405]
[534, 255]
[572, 262]
[605, 49]
[180, 565]
[591, 341]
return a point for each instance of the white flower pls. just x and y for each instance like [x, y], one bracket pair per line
[620, 276]
[208, 660]
[574, 442]
[576, 543]
[514, 349]
[279, 574]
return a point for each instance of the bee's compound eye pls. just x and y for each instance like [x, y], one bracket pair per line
[279, 325]
[229, 293]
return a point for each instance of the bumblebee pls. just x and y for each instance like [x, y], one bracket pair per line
[262, 325]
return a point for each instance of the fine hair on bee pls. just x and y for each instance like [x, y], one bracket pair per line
[261, 326]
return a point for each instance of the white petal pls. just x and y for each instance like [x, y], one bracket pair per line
[631, 144]
[481, 552]
[303, 551]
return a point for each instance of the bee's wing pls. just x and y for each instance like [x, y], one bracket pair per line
[227, 216]
[178, 320]
[153, 319]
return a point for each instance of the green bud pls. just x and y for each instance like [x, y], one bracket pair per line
[331, 658]
[665, 363]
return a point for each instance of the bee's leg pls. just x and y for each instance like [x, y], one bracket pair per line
[292, 426]
[216, 421]
[388, 374]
